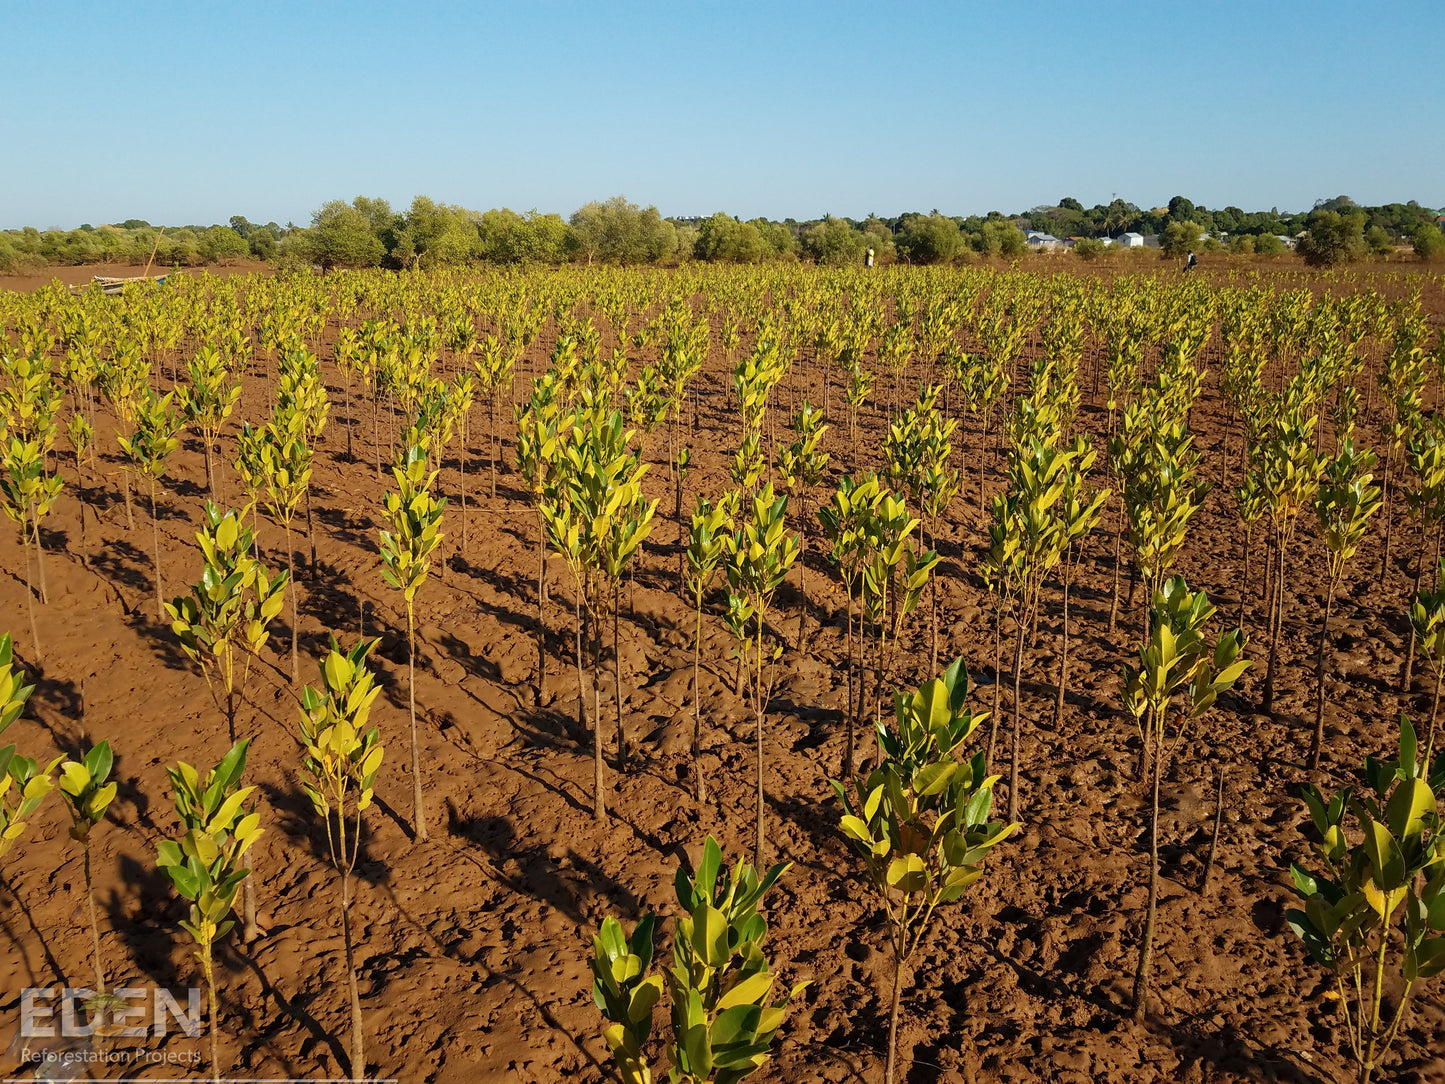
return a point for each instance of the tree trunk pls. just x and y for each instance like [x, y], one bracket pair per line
[125, 485]
[993, 719]
[933, 623]
[94, 925]
[1276, 624]
[893, 1012]
[1385, 511]
[1434, 711]
[376, 431]
[1409, 669]
[462, 467]
[495, 451]
[1118, 540]
[155, 545]
[1063, 655]
[1013, 771]
[418, 813]
[211, 1002]
[1244, 590]
[1146, 947]
[541, 608]
[358, 1052]
[803, 578]
[853, 699]
[295, 620]
[761, 847]
[699, 785]
[1214, 839]
[80, 483]
[30, 599]
[1320, 680]
[617, 677]
[311, 535]
[982, 458]
[597, 699]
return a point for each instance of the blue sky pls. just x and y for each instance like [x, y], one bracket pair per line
[192, 112]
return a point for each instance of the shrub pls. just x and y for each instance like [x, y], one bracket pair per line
[834, 243]
[1379, 241]
[1268, 244]
[1374, 916]
[1332, 238]
[930, 239]
[1429, 243]
[720, 987]
[1089, 248]
[1179, 237]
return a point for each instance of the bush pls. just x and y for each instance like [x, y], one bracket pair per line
[724, 238]
[1429, 243]
[262, 243]
[999, 237]
[1242, 244]
[621, 232]
[221, 244]
[1379, 241]
[929, 239]
[1089, 248]
[1180, 237]
[340, 235]
[1332, 238]
[1268, 244]
[834, 243]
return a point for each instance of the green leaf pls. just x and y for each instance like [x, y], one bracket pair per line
[907, 873]
[710, 935]
[1407, 807]
[749, 991]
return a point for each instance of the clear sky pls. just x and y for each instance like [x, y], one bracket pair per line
[190, 112]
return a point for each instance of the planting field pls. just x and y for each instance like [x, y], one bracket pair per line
[472, 946]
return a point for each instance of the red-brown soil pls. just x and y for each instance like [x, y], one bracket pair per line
[80, 275]
[473, 947]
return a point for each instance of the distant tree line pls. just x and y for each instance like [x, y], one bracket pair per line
[368, 232]
[136, 241]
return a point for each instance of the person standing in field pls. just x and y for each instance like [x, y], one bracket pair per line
[1190, 263]
[868, 258]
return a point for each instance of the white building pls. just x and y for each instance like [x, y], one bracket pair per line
[1131, 240]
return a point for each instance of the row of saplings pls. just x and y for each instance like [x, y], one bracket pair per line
[1374, 913]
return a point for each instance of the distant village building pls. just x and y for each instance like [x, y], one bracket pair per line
[1131, 240]
[1037, 239]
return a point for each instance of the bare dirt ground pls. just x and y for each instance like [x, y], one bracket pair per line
[82, 274]
[473, 947]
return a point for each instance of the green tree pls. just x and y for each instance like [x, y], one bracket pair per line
[262, 244]
[341, 235]
[434, 235]
[222, 244]
[834, 243]
[1429, 242]
[617, 231]
[999, 237]
[931, 238]
[1332, 238]
[1378, 241]
[724, 238]
[1180, 237]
